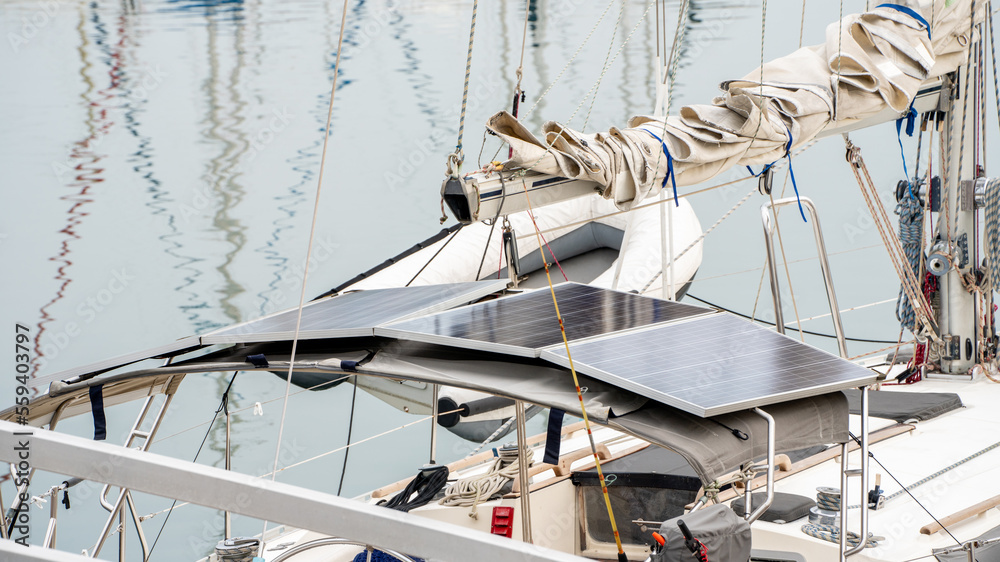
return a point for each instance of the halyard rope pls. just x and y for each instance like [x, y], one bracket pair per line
[465, 88]
[579, 392]
[305, 273]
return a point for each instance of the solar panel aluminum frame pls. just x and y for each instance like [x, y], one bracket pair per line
[173, 348]
[556, 354]
[218, 337]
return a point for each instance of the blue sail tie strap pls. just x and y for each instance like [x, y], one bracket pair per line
[911, 120]
[791, 172]
[910, 12]
[670, 167]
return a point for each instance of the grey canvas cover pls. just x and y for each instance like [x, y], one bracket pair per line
[726, 535]
[705, 443]
[905, 406]
[869, 62]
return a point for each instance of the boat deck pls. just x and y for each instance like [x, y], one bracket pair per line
[912, 456]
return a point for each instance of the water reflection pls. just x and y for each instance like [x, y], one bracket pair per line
[84, 158]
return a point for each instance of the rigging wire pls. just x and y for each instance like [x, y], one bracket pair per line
[811, 333]
[223, 406]
[698, 239]
[196, 426]
[350, 429]
[579, 394]
[337, 450]
[906, 489]
[570, 61]
[312, 235]
[441, 249]
[636, 208]
[604, 69]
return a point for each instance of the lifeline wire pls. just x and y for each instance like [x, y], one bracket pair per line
[223, 405]
[305, 273]
[579, 395]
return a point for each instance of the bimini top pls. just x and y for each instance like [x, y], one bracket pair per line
[674, 374]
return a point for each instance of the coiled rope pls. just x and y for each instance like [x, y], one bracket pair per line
[911, 230]
[829, 499]
[475, 490]
[831, 533]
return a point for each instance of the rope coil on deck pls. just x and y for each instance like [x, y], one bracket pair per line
[828, 499]
[831, 533]
[477, 489]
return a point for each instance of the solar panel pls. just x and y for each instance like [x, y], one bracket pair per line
[712, 365]
[355, 314]
[523, 324]
[174, 347]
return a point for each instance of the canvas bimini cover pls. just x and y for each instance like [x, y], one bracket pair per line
[869, 62]
[707, 444]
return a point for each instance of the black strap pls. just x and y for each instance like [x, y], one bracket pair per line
[97, 407]
[553, 436]
[258, 360]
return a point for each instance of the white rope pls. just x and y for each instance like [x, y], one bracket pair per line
[474, 490]
[305, 273]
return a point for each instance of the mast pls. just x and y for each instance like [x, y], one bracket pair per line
[959, 237]
[954, 254]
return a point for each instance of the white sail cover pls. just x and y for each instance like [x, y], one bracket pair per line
[869, 61]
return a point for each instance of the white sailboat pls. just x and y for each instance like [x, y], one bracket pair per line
[683, 408]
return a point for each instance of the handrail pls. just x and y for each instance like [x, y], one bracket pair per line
[844, 474]
[824, 264]
[770, 470]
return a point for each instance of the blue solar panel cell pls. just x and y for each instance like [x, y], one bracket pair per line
[355, 314]
[713, 365]
[524, 324]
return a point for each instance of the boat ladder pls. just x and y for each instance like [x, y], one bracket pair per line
[138, 439]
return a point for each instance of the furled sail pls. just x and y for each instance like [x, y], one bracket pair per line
[869, 61]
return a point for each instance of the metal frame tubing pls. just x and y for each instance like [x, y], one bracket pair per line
[846, 472]
[824, 263]
[770, 469]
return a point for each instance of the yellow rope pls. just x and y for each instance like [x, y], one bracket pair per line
[576, 382]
